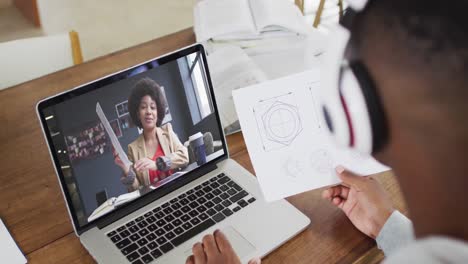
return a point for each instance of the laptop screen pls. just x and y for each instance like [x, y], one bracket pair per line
[133, 133]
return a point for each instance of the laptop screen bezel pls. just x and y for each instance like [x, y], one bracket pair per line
[155, 194]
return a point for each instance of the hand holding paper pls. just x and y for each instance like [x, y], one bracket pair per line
[115, 142]
[289, 148]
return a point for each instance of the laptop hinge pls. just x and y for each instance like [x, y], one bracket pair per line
[154, 195]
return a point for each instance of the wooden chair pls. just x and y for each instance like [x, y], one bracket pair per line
[27, 59]
[318, 13]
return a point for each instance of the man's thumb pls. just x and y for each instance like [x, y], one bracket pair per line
[256, 260]
[348, 177]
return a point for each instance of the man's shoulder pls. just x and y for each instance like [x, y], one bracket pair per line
[434, 249]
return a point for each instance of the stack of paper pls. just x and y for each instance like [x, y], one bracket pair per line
[246, 19]
[266, 25]
[231, 69]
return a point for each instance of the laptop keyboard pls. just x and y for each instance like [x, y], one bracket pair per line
[158, 231]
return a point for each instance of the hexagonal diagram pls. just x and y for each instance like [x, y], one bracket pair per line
[278, 120]
[282, 123]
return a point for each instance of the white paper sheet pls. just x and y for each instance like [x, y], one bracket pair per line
[214, 18]
[287, 143]
[231, 69]
[115, 142]
[9, 251]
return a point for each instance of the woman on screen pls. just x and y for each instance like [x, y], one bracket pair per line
[147, 106]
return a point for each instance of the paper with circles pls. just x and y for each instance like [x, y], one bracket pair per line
[288, 145]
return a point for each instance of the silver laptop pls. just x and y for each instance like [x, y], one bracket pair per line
[155, 213]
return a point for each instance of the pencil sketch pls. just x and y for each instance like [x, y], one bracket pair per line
[278, 121]
[321, 161]
[294, 167]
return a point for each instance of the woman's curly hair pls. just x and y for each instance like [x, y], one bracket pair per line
[143, 87]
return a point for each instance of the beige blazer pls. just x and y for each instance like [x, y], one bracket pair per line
[171, 146]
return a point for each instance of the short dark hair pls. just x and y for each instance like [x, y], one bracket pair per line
[435, 31]
[143, 87]
[426, 36]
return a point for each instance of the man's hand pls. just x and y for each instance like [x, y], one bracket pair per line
[363, 201]
[215, 249]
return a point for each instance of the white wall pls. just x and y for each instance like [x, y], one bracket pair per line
[111, 25]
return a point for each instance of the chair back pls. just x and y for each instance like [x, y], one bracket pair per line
[26, 59]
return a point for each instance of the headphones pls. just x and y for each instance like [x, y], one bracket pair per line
[351, 107]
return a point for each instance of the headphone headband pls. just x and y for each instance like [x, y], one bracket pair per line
[351, 107]
[357, 5]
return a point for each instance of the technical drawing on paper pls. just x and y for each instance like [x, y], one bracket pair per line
[294, 167]
[321, 161]
[278, 121]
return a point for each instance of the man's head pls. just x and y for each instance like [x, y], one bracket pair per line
[417, 54]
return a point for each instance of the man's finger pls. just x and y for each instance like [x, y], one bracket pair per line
[222, 242]
[199, 253]
[209, 244]
[190, 260]
[255, 260]
[348, 177]
[340, 190]
[338, 202]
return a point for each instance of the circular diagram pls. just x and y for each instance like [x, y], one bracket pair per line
[282, 123]
[294, 167]
[321, 161]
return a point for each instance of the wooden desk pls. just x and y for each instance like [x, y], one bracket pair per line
[33, 208]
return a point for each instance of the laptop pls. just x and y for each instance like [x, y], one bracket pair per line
[154, 214]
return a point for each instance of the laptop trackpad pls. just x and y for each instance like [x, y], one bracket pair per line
[241, 245]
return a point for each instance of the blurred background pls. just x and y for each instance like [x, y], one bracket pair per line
[103, 26]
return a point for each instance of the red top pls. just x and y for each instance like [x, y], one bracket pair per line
[156, 175]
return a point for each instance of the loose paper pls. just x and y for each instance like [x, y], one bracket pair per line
[231, 69]
[9, 253]
[290, 149]
[115, 142]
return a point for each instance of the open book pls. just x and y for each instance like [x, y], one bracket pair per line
[112, 203]
[246, 19]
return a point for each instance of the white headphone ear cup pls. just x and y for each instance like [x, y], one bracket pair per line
[357, 5]
[335, 119]
[331, 106]
[357, 112]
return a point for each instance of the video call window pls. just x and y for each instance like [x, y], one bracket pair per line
[172, 99]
